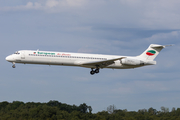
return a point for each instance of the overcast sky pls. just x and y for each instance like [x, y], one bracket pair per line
[118, 27]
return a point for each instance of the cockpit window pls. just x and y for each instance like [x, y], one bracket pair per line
[16, 52]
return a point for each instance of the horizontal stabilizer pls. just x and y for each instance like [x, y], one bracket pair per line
[160, 46]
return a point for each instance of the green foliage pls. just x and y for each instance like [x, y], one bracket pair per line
[54, 110]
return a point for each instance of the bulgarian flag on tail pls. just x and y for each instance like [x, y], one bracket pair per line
[150, 52]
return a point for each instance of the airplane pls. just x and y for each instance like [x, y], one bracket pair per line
[93, 61]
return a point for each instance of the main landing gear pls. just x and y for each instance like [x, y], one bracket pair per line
[92, 72]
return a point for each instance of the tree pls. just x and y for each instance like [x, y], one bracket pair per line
[152, 111]
[53, 103]
[164, 109]
[84, 108]
[111, 109]
[142, 111]
[3, 104]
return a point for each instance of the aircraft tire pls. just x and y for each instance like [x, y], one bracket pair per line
[13, 66]
[92, 72]
[97, 71]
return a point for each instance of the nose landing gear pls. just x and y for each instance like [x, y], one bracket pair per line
[13, 66]
[92, 72]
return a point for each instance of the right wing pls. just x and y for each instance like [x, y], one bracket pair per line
[103, 63]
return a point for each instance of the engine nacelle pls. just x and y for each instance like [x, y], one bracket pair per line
[130, 61]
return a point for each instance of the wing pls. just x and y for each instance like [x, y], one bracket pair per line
[103, 63]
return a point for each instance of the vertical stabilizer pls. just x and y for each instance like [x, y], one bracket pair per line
[152, 51]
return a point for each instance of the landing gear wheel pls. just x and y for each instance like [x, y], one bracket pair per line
[97, 71]
[14, 66]
[92, 72]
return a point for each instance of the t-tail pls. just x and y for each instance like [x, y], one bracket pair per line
[150, 54]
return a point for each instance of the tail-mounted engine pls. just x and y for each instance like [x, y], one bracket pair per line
[130, 61]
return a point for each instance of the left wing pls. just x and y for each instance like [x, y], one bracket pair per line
[102, 64]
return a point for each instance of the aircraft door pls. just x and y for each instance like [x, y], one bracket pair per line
[22, 55]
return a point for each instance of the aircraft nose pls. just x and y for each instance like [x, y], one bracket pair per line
[9, 58]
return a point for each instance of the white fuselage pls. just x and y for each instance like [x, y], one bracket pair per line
[93, 61]
[65, 58]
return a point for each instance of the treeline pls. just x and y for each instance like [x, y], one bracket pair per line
[54, 110]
